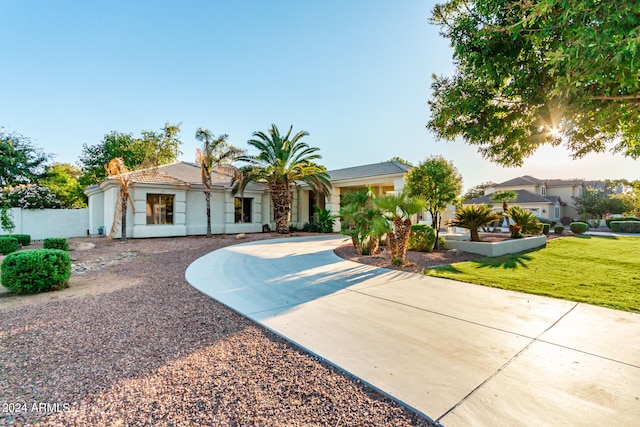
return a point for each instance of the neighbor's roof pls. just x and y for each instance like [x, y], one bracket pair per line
[529, 180]
[523, 196]
[521, 180]
[375, 169]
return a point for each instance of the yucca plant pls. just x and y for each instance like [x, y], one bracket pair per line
[472, 217]
[524, 222]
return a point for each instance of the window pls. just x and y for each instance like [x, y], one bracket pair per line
[544, 190]
[242, 209]
[556, 212]
[160, 209]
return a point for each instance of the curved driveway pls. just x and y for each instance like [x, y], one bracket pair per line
[458, 353]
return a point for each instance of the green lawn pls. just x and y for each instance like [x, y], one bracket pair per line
[596, 270]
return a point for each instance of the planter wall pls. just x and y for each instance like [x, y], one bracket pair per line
[498, 248]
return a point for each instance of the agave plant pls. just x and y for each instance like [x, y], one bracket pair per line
[524, 222]
[473, 217]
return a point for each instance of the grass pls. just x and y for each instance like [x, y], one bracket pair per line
[602, 271]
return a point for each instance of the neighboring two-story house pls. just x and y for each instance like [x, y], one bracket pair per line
[548, 198]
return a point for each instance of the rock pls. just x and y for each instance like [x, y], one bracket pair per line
[454, 252]
[81, 246]
[241, 236]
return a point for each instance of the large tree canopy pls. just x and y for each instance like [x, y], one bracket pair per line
[545, 71]
[151, 149]
[20, 161]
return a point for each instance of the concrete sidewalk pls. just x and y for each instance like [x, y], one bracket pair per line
[461, 354]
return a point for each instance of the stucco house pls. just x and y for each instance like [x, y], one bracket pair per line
[548, 198]
[169, 200]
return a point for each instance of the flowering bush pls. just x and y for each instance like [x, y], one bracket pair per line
[30, 196]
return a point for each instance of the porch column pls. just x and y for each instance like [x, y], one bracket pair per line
[333, 205]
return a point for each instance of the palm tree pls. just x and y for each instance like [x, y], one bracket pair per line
[399, 208]
[116, 167]
[283, 161]
[215, 152]
[241, 177]
[523, 222]
[504, 197]
[363, 221]
[473, 217]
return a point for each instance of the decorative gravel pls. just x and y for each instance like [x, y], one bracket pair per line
[156, 352]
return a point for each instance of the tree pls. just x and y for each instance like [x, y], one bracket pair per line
[472, 217]
[20, 161]
[438, 182]
[214, 153]
[400, 160]
[399, 208]
[476, 191]
[117, 168]
[595, 203]
[241, 177]
[62, 180]
[536, 72]
[151, 149]
[30, 196]
[362, 220]
[282, 161]
[504, 197]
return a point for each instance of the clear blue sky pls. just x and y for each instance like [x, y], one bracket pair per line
[355, 74]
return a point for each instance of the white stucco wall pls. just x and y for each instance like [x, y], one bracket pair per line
[43, 223]
[140, 227]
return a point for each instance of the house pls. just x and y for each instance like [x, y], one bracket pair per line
[548, 198]
[169, 200]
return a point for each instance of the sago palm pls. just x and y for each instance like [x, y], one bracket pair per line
[473, 217]
[399, 208]
[282, 161]
[524, 221]
[214, 153]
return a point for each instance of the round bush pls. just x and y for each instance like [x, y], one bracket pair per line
[55, 243]
[558, 229]
[545, 229]
[422, 238]
[8, 245]
[578, 227]
[31, 272]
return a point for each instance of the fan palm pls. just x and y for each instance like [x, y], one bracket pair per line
[399, 208]
[116, 167]
[241, 177]
[282, 161]
[215, 152]
[473, 217]
[504, 197]
[363, 221]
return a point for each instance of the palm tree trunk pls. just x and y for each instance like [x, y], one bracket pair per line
[123, 221]
[207, 195]
[402, 228]
[475, 237]
[281, 206]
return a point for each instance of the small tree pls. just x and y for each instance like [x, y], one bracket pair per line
[399, 208]
[472, 217]
[437, 182]
[117, 168]
[215, 152]
[363, 221]
[504, 197]
[596, 203]
[476, 191]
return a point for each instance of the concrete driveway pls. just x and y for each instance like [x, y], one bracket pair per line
[458, 353]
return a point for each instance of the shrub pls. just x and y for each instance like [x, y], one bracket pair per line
[56, 243]
[40, 270]
[23, 239]
[545, 229]
[626, 226]
[8, 245]
[422, 238]
[311, 227]
[558, 229]
[612, 220]
[324, 219]
[525, 222]
[578, 227]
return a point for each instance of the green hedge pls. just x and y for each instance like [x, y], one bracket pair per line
[56, 243]
[612, 220]
[558, 229]
[626, 226]
[578, 227]
[23, 239]
[422, 238]
[545, 229]
[8, 244]
[40, 270]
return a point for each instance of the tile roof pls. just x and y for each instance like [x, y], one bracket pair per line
[375, 169]
[529, 180]
[521, 180]
[523, 196]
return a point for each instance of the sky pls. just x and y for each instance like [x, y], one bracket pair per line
[354, 74]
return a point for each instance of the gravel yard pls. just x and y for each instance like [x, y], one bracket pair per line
[131, 343]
